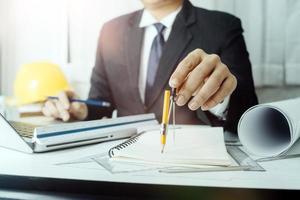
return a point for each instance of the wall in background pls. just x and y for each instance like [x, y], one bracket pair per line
[62, 31]
[66, 32]
[33, 30]
[1, 40]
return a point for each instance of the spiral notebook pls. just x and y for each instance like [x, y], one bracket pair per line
[193, 147]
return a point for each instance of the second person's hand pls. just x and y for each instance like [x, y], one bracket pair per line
[63, 109]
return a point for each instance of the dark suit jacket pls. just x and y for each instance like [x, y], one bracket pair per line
[116, 73]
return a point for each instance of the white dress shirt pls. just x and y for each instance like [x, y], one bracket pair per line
[147, 22]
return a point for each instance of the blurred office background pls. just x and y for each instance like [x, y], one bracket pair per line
[66, 32]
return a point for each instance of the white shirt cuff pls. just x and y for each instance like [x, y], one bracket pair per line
[220, 110]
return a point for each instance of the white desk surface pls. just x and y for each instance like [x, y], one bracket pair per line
[279, 174]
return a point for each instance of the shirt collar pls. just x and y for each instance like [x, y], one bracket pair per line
[147, 19]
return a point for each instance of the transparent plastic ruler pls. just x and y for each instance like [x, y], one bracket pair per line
[243, 159]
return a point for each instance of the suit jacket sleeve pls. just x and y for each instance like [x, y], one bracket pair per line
[100, 89]
[234, 54]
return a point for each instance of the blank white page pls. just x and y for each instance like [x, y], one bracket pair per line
[193, 145]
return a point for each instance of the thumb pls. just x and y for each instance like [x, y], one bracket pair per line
[78, 110]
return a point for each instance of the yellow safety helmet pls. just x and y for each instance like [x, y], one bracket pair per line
[36, 81]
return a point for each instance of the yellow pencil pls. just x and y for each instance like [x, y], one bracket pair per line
[165, 119]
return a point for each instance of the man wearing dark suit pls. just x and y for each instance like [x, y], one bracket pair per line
[202, 51]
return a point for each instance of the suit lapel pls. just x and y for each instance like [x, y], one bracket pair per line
[132, 46]
[178, 40]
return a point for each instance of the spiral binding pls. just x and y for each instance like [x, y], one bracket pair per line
[124, 144]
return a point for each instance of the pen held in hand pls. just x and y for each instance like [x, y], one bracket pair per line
[88, 101]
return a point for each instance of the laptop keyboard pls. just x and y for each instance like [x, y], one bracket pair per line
[24, 129]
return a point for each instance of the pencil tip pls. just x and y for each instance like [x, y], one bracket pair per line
[162, 149]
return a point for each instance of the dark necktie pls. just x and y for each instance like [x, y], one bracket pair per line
[154, 57]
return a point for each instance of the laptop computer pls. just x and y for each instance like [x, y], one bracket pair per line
[29, 138]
